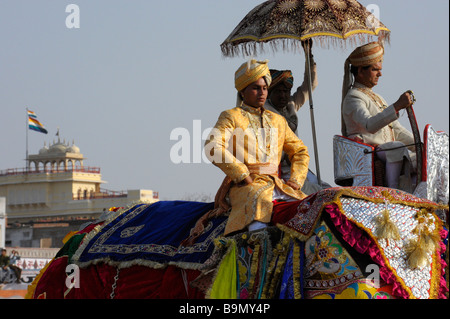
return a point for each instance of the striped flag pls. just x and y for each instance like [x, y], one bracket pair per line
[34, 124]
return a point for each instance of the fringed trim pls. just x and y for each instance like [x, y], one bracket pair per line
[424, 204]
[253, 269]
[444, 286]
[252, 46]
[296, 271]
[262, 253]
[347, 191]
[274, 272]
[263, 267]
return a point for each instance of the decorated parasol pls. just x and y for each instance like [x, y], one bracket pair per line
[288, 24]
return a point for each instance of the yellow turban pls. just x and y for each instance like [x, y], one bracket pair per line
[250, 72]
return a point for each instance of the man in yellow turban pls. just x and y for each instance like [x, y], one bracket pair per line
[368, 118]
[247, 143]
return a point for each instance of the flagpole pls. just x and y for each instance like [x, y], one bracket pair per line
[26, 151]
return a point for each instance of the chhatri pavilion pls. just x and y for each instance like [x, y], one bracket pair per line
[57, 193]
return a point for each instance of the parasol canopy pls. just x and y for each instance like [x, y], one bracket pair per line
[289, 23]
[286, 22]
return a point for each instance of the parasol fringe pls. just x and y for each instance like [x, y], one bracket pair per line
[254, 48]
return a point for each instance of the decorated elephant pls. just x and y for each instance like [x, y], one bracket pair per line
[345, 242]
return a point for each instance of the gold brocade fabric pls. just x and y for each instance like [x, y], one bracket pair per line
[243, 138]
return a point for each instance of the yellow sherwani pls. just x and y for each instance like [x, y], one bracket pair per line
[247, 141]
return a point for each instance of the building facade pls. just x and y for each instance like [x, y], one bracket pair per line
[56, 194]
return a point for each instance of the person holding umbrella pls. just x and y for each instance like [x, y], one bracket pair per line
[280, 99]
[368, 118]
[282, 102]
[247, 143]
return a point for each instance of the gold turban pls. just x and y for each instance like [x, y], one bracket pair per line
[250, 72]
[368, 54]
[365, 55]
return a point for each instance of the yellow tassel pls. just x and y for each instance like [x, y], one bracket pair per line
[386, 228]
[417, 253]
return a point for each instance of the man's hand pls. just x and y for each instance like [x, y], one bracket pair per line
[305, 44]
[293, 185]
[246, 181]
[404, 101]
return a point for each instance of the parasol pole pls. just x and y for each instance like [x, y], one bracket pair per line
[311, 107]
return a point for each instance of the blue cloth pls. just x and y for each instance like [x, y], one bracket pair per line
[287, 281]
[151, 235]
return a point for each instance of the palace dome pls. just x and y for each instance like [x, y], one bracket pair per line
[73, 149]
[43, 151]
[58, 148]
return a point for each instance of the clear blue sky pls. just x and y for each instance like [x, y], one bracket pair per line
[136, 70]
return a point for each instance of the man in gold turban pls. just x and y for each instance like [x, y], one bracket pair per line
[368, 118]
[247, 143]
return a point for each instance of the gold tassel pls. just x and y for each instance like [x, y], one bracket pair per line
[430, 238]
[417, 253]
[431, 241]
[426, 243]
[386, 228]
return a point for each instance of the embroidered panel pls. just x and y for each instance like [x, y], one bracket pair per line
[282, 21]
[365, 214]
[328, 264]
[151, 235]
[308, 211]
